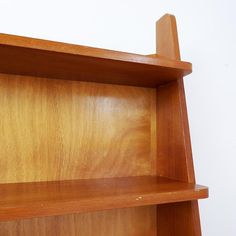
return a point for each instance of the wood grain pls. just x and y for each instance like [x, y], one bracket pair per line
[60, 130]
[42, 58]
[82, 137]
[138, 221]
[172, 161]
[26, 200]
[177, 219]
[167, 42]
[174, 157]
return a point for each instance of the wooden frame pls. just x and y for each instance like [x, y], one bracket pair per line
[94, 141]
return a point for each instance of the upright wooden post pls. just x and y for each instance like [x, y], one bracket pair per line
[174, 157]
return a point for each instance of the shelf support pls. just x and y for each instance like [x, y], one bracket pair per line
[174, 158]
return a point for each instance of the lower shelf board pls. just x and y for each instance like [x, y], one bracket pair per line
[38, 199]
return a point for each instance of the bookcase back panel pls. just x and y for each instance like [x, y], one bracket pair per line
[137, 221]
[60, 129]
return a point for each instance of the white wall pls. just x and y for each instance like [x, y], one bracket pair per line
[207, 32]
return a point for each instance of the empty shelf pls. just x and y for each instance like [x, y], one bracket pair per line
[42, 58]
[26, 200]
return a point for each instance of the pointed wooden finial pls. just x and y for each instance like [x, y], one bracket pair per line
[167, 44]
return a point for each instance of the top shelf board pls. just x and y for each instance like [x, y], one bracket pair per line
[42, 58]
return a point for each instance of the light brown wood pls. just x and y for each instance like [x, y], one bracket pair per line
[60, 130]
[56, 128]
[175, 155]
[120, 222]
[42, 58]
[174, 159]
[177, 219]
[26, 200]
[167, 42]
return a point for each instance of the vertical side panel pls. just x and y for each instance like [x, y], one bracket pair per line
[178, 219]
[174, 155]
[174, 148]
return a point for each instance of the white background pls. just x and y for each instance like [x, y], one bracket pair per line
[207, 35]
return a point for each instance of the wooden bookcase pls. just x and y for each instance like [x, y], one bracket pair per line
[94, 141]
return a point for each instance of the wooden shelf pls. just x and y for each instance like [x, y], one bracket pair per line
[101, 148]
[26, 200]
[42, 58]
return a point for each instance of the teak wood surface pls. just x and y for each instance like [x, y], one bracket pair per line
[174, 156]
[138, 221]
[62, 130]
[26, 200]
[42, 58]
[76, 139]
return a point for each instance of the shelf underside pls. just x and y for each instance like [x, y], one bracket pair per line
[27, 200]
[42, 58]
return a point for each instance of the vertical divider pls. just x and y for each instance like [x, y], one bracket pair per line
[174, 154]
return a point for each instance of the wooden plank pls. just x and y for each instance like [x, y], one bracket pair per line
[41, 58]
[174, 157]
[177, 218]
[96, 53]
[62, 130]
[26, 200]
[138, 221]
